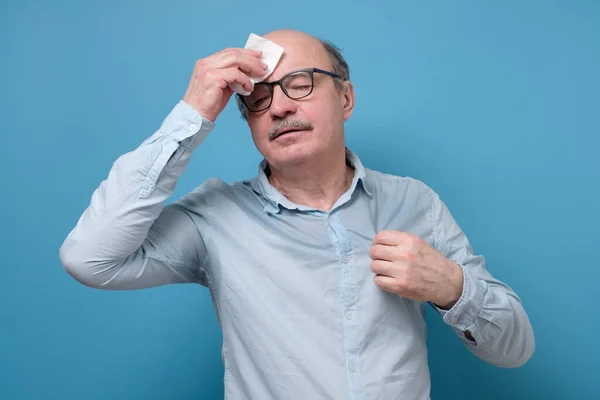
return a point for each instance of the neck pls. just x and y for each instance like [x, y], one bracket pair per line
[316, 184]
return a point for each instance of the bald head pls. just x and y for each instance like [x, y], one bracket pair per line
[290, 39]
[291, 33]
[290, 36]
[301, 50]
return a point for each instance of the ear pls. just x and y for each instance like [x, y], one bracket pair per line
[347, 99]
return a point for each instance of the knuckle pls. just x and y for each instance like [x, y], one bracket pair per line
[233, 58]
[410, 255]
[395, 254]
[411, 240]
[207, 75]
[382, 235]
[374, 266]
[373, 251]
[200, 63]
[224, 51]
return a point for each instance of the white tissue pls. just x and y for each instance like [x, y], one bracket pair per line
[271, 53]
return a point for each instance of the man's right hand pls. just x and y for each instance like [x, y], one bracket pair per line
[209, 92]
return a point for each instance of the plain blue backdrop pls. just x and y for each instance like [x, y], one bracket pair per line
[493, 104]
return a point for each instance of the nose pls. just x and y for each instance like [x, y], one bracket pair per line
[281, 105]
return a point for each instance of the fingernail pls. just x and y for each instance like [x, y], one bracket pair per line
[265, 66]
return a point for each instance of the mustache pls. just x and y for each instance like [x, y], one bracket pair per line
[289, 123]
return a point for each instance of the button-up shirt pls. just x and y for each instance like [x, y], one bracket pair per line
[291, 285]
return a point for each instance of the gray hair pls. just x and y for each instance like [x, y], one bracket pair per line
[338, 64]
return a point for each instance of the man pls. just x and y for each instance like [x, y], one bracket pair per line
[319, 268]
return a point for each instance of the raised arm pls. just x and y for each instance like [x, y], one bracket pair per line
[127, 238]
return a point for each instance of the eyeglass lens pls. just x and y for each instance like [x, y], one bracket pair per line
[295, 86]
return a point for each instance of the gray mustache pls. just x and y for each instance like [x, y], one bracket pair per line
[289, 123]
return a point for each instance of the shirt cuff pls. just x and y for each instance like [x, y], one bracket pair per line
[186, 126]
[463, 314]
[182, 131]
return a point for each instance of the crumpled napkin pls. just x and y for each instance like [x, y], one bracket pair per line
[271, 53]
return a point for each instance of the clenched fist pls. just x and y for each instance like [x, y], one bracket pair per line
[408, 266]
[208, 91]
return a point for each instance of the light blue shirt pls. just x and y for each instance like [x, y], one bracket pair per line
[292, 286]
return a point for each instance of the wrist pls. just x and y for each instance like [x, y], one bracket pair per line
[455, 288]
[207, 114]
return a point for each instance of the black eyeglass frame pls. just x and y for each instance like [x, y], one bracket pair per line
[271, 86]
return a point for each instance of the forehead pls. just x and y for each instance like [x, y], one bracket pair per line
[300, 51]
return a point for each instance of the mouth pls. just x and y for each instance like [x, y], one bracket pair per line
[284, 132]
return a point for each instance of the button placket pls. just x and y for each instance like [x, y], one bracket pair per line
[341, 239]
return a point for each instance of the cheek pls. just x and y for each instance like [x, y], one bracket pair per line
[326, 116]
[258, 129]
[322, 113]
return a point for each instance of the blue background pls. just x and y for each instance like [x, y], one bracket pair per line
[493, 104]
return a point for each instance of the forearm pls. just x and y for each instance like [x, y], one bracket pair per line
[125, 205]
[492, 314]
[488, 309]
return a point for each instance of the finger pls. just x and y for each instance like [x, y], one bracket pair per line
[386, 283]
[383, 252]
[252, 52]
[233, 75]
[250, 64]
[387, 268]
[390, 238]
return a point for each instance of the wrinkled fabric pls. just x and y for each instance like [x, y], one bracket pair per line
[292, 286]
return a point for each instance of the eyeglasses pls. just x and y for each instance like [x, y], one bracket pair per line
[296, 85]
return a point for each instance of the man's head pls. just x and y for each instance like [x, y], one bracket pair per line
[317, 115]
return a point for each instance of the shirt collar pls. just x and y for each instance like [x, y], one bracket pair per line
[274, 199]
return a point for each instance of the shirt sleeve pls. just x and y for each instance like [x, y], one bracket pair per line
[488, 308]
[127, 238]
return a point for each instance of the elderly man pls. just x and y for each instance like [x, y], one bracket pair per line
[319, 268]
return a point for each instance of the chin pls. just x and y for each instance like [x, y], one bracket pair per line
[295, 153]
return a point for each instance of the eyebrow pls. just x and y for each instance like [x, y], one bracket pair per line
[287, 73]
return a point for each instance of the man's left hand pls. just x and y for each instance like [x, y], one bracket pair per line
[408, 266]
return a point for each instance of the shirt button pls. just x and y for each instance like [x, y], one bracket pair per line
[352, 368]
[348, 314]
[345, 259]
[192, 127]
